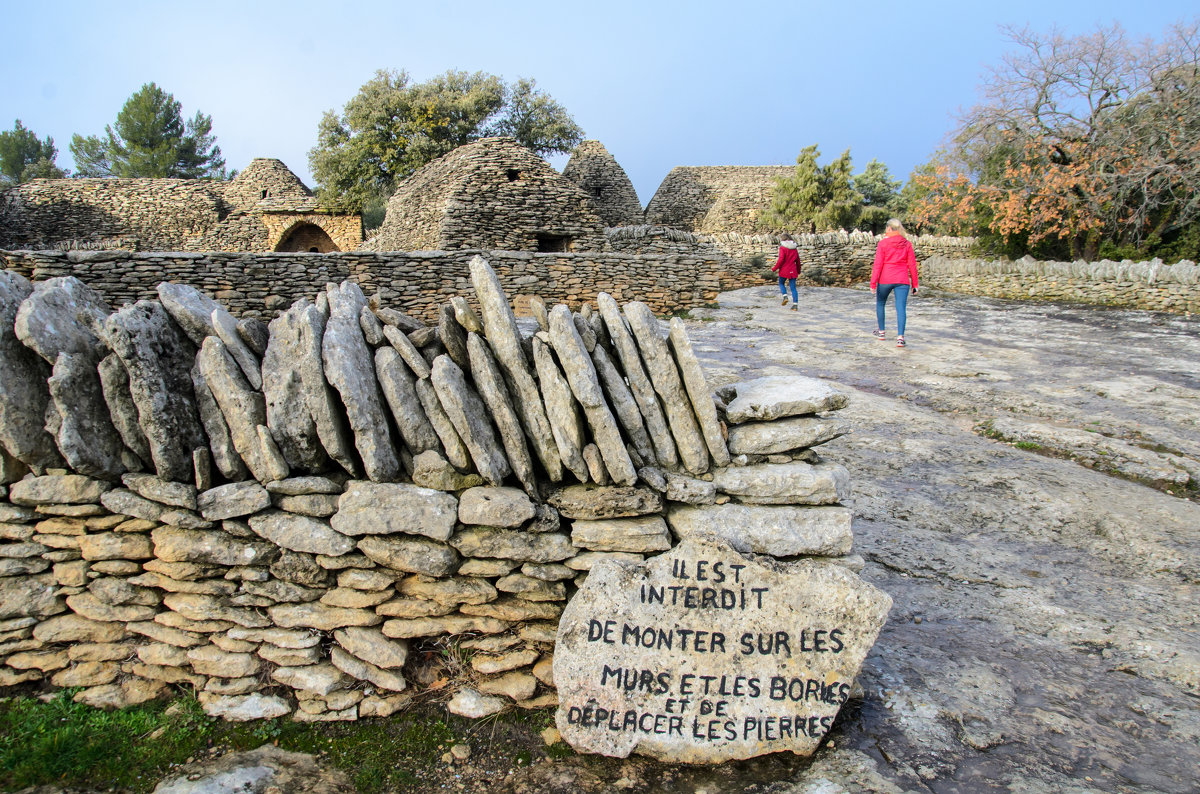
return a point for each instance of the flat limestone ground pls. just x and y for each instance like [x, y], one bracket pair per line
[1044, 635]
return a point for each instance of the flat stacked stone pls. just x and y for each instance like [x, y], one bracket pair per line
[253, 563]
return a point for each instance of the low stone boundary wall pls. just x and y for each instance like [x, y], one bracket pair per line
[1152, 286]
[262, 284]
[287, 518]
[831, 259]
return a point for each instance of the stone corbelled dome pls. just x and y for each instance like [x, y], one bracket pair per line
[715, 199]
[490, 194]
[601, 177]
[266, 179]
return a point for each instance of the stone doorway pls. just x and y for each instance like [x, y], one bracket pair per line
[307, 237]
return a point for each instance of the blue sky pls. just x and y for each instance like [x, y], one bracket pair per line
[659, 83]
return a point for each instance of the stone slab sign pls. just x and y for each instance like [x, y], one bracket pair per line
[704, 655]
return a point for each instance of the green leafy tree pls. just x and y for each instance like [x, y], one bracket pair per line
[815, 198]
[392, 127]
[24, 156]
[151, 139]
[881, 196]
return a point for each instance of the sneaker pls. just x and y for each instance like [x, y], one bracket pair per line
[880, 335]
[783, 302]
[899, 341]
[795, 307]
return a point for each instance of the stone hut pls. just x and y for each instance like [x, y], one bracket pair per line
[266, 208]
[715, 199]
[273, 196]
[601, 177]
[490, 194]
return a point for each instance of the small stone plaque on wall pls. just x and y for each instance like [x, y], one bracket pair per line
[704, 655]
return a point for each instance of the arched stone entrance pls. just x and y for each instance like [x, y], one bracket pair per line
[307, 237]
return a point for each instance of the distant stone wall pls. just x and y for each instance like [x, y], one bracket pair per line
[152, 213]
[712, 199]
[259, 285]
[253, 212]
[1153, 286]
[829, 259]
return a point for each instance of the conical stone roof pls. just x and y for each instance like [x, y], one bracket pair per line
[601, 177]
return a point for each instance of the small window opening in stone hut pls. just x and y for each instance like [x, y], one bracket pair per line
[512, 174]
[553, 243]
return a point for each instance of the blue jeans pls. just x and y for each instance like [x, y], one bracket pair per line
[792, 283]
[881, 295]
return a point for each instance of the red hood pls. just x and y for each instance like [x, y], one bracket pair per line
[897, 242]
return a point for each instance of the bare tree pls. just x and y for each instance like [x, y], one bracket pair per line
[1083, 138]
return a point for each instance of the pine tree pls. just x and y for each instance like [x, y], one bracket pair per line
[24, 156]
[151, 139]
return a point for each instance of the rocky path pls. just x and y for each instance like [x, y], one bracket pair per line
[1044, 635]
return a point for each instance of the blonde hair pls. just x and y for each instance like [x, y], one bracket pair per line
[895, 225]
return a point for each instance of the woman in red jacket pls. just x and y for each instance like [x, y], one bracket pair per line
[895, 271]
[788, 268]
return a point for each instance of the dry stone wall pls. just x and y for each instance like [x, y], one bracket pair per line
[279, 516]
[260, 285]
[829, 259]
[1154, 286]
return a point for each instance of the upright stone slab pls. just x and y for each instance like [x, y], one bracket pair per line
[158, 358]
[86, 438]
[227, 330]
[501, 330]
[63, 315]
[639, 381]
[191, 308]
[242, 408]
[399, 389]
[698, 391]
[585, 385]
[665, 377]
[490, 383]
[220, 443]
[350, 368]
[623, 404]
[24, 395]
[326, 412]
[288, 414]
[701, 655]
[470, 418]
[456, 451]
[114, 383]
[565, 421]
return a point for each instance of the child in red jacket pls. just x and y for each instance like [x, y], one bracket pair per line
[788, 268]
[895, 271]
